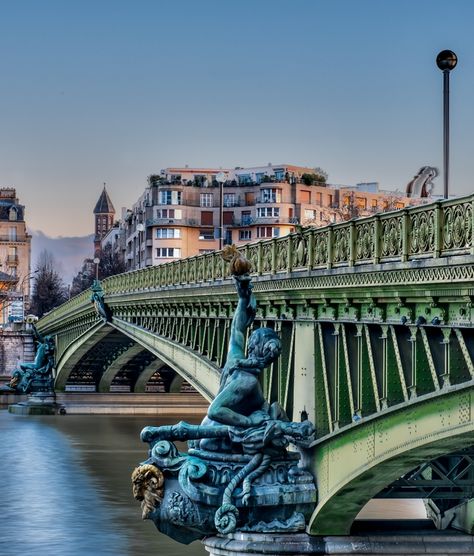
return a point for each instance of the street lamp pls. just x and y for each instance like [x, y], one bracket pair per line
[446, 61]
[220, 178]
[140, 228]
[96, 261]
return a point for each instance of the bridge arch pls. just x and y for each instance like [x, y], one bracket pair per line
[355, 465]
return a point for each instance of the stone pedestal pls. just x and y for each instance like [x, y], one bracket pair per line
[299, 544]
[38, 403]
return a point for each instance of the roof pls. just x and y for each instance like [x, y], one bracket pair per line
[104, 204]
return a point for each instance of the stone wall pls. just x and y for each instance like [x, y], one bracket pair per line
[14, 346]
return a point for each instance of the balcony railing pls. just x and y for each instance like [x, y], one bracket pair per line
[12, 259]
[14, 238]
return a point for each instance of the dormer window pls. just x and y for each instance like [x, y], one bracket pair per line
[13, 214]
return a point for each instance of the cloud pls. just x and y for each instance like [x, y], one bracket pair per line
[69, 252]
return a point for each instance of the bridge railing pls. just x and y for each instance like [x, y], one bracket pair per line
[439, 229]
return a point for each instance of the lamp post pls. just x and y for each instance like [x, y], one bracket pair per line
[96, 261]
[140, 228]
[446, 61]
[220, 178]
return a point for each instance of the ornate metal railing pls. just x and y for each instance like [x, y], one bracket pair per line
[440, 229]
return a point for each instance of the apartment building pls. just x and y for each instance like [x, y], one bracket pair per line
[179, 213]
[15, 256]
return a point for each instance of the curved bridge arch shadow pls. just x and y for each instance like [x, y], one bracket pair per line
[355, 465]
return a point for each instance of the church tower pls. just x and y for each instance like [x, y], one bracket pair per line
[104, 213]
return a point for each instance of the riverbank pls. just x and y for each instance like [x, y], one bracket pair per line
[119, 403]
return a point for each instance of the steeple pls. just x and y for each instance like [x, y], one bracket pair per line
[104, 204]
[104, 213]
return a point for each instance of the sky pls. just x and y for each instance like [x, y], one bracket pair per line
[111, 91]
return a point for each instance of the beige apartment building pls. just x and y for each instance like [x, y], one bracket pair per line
[179, 213]
[15, 255]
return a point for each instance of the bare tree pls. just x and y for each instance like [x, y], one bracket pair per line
[49, 290]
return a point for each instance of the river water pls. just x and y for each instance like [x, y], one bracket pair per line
[66, 488]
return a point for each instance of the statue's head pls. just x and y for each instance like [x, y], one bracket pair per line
[264, 346]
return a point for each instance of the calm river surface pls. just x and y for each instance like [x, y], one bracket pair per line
[66, 488]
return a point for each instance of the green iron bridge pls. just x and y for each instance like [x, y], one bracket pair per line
[376, 321]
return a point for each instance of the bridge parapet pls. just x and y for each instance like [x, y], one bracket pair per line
[439, 230]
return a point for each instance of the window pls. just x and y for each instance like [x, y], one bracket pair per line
[259, 177]
[309, 214]
[206, 199]
[279, 174]
[168, 253]
[267, 231]
[175, 214]
[374, 203]
[246, 217]
[230, 200]
[228, 218]
[330, 200]
[399, 205]
[168, 233]
[268, 212]
[319, 198]
[12, 233]
[168, 197]
[245, 235]
[268, 195]
[206, 234]
[244, 179]
[207, 218]
[13, 214]
[361, 202]
[305, 196]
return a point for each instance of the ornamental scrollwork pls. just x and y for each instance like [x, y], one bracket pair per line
[299, 250]
[320, 248]
[457, 226]
[341, 245]
[391, 237]
[365, 241]
[267, 257]
[282, 255]
[422, 236]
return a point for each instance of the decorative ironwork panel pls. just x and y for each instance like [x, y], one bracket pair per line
[422, 232]
[392, 237]
[341, 244]
[282, 255]
[365, 241]
[320, 257]
[299, 251]
[457, 229]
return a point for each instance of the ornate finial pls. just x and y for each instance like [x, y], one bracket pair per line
[239, 265]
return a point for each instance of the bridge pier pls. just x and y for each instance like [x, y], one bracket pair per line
[298, 544]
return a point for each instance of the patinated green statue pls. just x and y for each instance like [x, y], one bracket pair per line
[238, 473]
[36, 376]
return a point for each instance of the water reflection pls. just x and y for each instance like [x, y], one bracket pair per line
[66, 488]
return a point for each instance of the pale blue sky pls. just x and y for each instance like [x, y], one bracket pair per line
[110, 90]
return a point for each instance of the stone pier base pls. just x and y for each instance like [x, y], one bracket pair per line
[299, 544]
[39, 403]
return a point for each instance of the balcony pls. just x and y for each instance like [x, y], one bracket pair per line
[14, 238]
[253, 220]
[12, 260]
